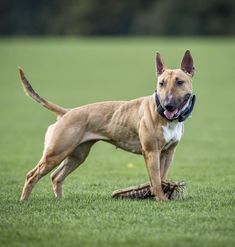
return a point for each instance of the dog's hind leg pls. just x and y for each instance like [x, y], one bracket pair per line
[69, 165]
[61, 141]
[45, 165]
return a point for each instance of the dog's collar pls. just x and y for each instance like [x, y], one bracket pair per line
[183, 115]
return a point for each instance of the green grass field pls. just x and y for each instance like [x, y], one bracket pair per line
[72, 72]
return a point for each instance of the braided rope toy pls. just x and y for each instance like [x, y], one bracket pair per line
[173, 191]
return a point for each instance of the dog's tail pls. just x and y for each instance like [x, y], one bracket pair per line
[60, 111]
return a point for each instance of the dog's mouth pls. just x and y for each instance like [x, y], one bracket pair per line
[176, 113]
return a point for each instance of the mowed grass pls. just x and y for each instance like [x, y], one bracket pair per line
[72, 72]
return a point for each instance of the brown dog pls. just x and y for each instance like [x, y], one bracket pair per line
[151, 126]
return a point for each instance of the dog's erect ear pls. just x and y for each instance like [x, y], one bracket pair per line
[187, 63]
[160, 67]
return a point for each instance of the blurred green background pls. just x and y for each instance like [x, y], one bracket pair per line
[112, 17]
[79, 52]
[76, 71]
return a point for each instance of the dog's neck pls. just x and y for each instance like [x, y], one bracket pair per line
[187, 112]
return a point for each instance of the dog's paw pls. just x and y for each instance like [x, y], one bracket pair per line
[161, 198]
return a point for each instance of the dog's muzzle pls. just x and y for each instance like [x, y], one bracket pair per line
[185, 112]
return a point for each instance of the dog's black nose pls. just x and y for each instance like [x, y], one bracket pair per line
[170, 106]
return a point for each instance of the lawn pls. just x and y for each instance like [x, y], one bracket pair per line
[73, 72]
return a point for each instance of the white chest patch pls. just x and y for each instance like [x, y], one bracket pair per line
[172, 132]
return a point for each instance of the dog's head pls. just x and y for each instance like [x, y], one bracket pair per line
[174, 86]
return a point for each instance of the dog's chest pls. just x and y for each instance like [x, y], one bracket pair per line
[172, 132]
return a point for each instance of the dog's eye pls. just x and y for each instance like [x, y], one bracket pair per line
[161, 83]
[179, 83]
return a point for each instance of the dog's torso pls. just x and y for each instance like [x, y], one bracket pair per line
[119, 123]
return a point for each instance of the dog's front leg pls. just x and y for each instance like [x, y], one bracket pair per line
[152, 159]
[166, 160]
[151, 155]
